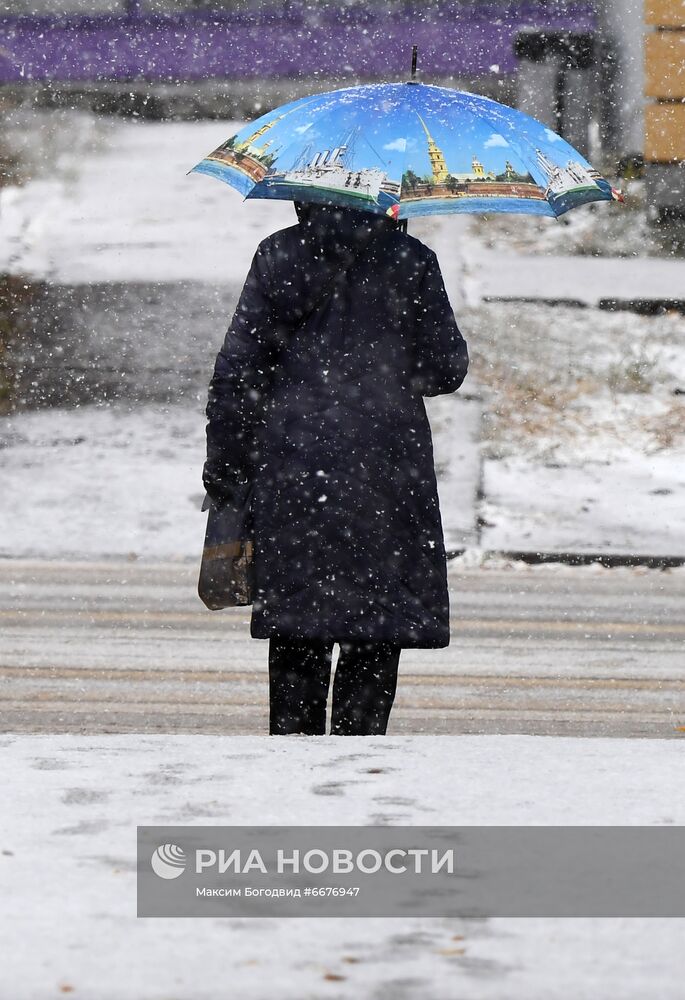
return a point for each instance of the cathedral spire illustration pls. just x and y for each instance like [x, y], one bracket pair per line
[435, 155]
[250, 144]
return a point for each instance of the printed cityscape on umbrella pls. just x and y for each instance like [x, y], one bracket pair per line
[388, 155]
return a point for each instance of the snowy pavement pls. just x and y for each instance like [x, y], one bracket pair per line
[497, 274]
[68, 852]
[110, 201]
[114, 647]
[117, 481]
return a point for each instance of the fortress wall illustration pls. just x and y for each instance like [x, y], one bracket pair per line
[665, 112]
[496, 189]
[244, 163]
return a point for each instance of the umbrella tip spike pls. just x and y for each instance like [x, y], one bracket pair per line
[414, 59]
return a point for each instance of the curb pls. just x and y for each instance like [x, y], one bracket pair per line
[642, 307]
[609, 560]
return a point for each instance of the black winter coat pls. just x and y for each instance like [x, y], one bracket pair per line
[327, 420]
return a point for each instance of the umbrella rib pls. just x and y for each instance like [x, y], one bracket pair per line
[407, 107]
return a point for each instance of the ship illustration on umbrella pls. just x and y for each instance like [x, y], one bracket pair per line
[566, 180]
[332, 170]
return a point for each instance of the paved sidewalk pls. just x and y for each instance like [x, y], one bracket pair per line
[587, 280]
[112, 647]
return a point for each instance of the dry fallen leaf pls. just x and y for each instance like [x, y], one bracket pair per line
[450, 952]
[333, 977]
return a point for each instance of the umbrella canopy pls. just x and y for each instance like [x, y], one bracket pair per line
[407, 149]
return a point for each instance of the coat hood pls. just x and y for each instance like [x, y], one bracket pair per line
[329, 239]
[336, 232]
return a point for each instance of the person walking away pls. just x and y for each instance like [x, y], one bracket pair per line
[316, 399]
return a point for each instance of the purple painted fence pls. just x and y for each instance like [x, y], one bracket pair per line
[289, 41]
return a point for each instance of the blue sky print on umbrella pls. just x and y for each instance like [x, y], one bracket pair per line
[407, 150]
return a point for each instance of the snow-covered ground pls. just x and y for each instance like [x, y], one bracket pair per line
[68, 853]
[583, 433]
[115, 481]
[109, 200]
[584, 424]
[103, 481]
[583, 439]
[591, 232]
[508, 274]
[582, 447]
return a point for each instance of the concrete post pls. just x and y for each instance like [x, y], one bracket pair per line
[556, 82]
[622, 22]
[537, 93]
[578, 93]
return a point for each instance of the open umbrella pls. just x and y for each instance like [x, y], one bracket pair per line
[407, 149]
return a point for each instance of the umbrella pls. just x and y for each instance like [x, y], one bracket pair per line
[407, 149]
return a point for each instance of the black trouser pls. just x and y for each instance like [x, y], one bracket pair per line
[363, 688]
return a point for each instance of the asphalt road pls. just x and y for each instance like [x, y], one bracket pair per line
[127, 647]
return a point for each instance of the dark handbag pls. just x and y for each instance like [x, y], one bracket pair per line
[227, 567]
